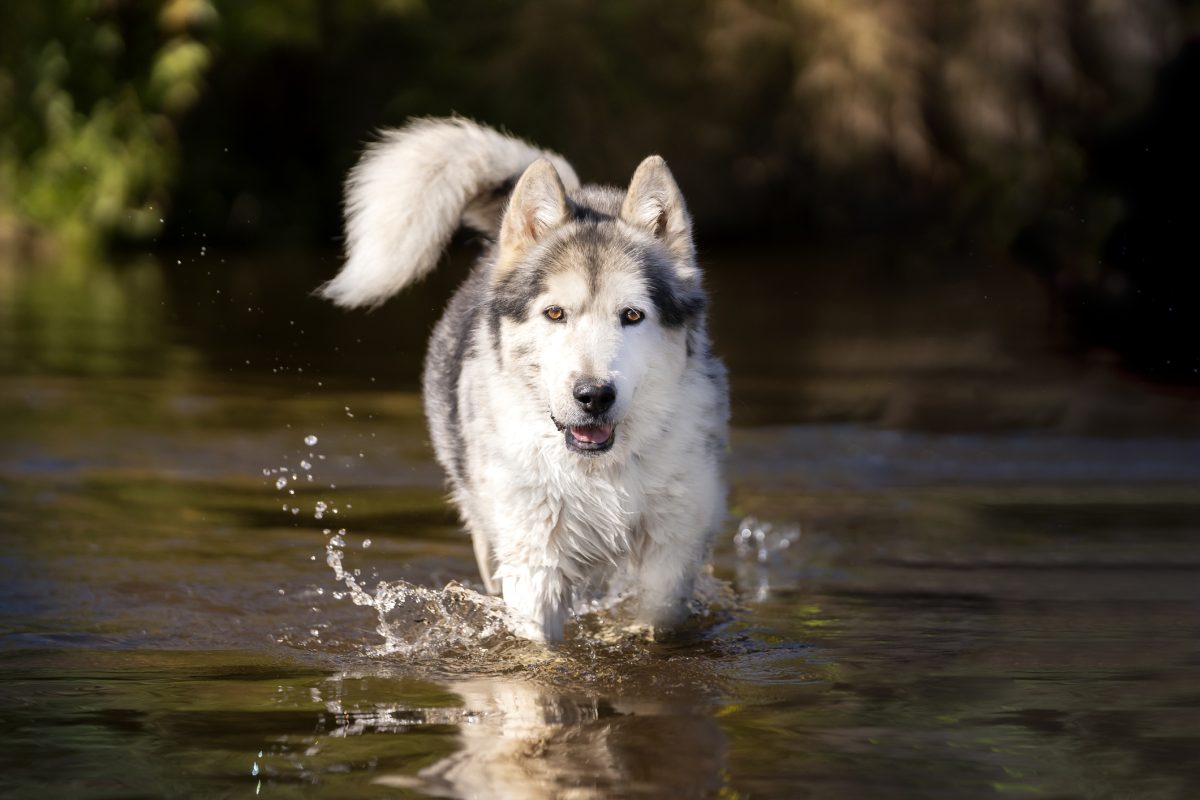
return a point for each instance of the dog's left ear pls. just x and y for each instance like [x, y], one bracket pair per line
[655, 204]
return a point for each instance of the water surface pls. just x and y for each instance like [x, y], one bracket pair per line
[956, 564]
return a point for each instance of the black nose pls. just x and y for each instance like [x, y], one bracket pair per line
[595, 397]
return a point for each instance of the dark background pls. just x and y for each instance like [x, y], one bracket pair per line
[1054, 139]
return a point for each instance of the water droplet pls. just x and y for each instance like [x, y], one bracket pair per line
[295, 510]
[305, 465]
[310, 440]
[366, 543]
[282, 482]
[254, 768]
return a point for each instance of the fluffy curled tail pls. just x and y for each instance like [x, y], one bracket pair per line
[412, 189]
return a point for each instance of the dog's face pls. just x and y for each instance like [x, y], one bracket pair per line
[592, 304]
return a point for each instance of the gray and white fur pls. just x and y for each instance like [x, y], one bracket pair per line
[572, 396]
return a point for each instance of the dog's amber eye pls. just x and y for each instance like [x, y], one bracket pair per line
[631, 316]
[554, 313]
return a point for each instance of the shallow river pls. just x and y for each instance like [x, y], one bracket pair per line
[955, 565]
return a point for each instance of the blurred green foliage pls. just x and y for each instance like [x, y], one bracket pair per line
[239, 119]
[89, 95]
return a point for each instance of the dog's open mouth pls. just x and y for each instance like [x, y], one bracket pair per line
[589, 439]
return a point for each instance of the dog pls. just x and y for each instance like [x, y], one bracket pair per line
[572, 396]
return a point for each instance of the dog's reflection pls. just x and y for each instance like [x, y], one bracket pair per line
[519, 741]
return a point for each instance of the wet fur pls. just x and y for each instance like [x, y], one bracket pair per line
[552, 526]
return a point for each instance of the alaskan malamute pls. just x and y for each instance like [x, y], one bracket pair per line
[572, 396]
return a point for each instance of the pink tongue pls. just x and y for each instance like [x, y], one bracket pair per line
[598, 435]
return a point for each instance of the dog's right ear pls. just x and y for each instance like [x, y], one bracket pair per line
[537, 206]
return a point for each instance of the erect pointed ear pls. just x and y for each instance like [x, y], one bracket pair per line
[655, 204]
[538, 205]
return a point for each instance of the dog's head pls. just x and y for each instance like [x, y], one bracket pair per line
[594, 299]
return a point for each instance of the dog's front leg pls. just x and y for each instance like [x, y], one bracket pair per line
[677, 535]
[540, 597]
[667, 578]
[677, 530]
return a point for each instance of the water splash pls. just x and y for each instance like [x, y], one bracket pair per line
[412, 620]
[428, 624]
[758, 540]
[418, 621]
[757, 544]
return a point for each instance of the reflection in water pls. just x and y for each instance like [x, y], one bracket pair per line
[521, 741]
[107, 319]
